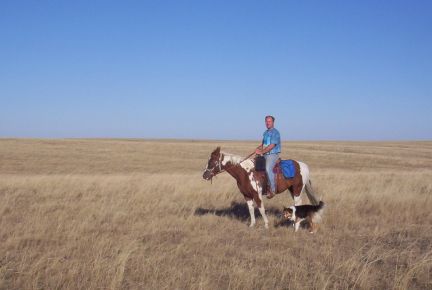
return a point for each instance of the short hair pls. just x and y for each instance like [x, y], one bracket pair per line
[269, 116]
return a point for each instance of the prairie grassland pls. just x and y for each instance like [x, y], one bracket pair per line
[136, 214]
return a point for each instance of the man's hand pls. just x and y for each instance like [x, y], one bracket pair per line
[265, 150]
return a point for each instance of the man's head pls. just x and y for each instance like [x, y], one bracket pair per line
[269, 121]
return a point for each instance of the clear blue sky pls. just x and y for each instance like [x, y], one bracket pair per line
[328, 70]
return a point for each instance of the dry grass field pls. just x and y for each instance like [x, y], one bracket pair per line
[136, 214]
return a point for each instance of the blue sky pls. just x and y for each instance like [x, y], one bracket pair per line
[327, 70]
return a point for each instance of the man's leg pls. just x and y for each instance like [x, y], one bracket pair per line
[270, 163]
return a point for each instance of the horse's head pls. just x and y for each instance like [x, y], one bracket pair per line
[214, 165]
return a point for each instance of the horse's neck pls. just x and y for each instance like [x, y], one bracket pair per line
[235, 170]
[231, 163]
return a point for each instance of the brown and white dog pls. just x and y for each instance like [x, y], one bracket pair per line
[311, 213]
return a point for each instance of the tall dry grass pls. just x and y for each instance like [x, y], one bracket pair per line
[120, 214]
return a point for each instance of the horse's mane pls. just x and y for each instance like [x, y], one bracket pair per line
[238, 160]
[233, 158]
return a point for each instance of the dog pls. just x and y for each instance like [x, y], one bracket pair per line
[311, 213]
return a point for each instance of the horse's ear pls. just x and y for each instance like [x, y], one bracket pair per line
[216, 152]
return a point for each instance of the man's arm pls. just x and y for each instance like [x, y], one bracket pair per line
[260, 149]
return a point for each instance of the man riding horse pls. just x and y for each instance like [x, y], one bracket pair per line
[250, 181]
[270, 147]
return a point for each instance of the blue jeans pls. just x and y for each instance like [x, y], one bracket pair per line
[270, 163]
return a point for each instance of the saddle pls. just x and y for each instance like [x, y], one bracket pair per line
[286, 167]
[283, 169]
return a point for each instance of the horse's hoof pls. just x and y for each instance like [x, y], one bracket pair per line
[266, 226]
[251, 225]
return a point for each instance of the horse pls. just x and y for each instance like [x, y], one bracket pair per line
[252, 184]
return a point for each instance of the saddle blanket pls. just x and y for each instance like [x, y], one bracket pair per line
[288, 168]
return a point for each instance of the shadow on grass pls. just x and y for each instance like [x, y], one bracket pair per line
[239, 211]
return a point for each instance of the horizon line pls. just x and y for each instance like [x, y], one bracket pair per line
[210, 139]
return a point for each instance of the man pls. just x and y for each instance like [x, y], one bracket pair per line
[270, 148]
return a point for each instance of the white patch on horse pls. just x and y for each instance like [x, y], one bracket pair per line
[251, 212]
[304, 172]
[234, 159]
[248, 165]
[297, 200]
[253, 181]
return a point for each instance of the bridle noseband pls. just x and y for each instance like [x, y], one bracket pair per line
[211, 170]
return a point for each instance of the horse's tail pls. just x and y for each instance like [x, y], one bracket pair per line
[311, 194]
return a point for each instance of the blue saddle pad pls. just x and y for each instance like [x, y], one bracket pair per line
[288, 168]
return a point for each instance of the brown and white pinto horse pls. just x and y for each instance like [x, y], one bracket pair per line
[252, 184]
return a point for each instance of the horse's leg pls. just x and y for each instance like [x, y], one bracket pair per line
[251, 212]
[296, 191]
[262, 212]
[296, 194]
[297, 199]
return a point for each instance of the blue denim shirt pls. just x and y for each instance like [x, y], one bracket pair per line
[272, 136]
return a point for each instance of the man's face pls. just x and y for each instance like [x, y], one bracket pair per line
[269, 123]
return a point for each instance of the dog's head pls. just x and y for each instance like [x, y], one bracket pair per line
[288, 212]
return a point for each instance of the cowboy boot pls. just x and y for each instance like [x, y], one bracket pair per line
[272, 193]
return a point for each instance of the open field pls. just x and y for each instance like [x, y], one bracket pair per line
[136, 214]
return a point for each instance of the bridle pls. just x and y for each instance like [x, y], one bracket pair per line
[219, 164]
[211, 170]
